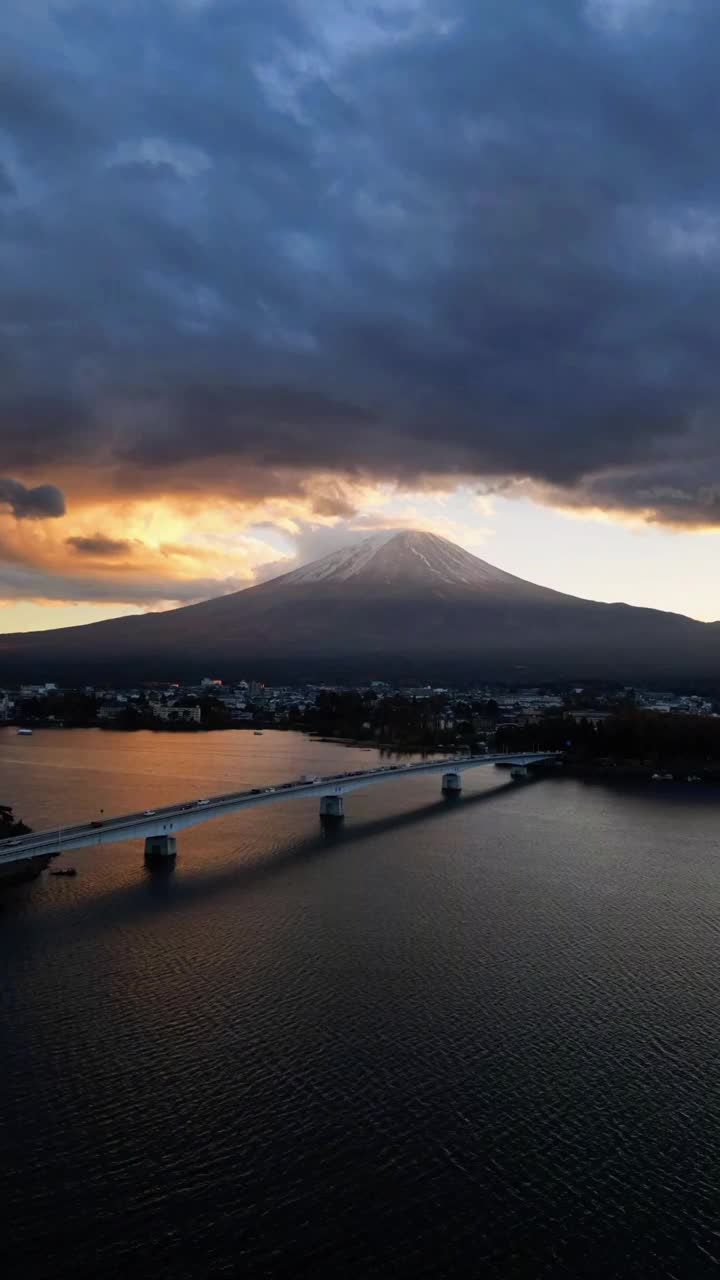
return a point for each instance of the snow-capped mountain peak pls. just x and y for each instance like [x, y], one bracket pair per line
[340, 565]
[401, 557]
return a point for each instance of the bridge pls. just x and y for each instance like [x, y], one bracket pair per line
[159, 827]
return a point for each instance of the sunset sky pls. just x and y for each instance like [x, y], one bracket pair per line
[276, 273]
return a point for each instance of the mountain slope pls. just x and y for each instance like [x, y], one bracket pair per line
[396, 604]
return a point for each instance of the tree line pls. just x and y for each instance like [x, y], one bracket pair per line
[633, 736]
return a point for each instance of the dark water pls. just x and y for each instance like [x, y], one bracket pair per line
[477, 1040]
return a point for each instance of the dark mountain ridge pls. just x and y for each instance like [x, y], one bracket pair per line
[396, 605]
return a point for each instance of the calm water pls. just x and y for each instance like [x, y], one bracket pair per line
[480, 1040]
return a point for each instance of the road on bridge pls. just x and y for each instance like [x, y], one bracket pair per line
[167, 820]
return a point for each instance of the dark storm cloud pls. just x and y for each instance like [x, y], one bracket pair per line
[99, 546]
[44, 502]
[409, 238]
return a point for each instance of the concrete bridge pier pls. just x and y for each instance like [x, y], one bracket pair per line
[451, 784]
[160, 849]
[331, 809]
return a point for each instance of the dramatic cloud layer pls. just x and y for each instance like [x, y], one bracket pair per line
[99, 546]
[244, 242]
[43, 502]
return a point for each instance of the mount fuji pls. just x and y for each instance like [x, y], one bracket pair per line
[397, 605]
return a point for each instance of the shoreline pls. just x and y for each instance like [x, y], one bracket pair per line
[606, 770]
[395, 747]
[624, 772]
[368, 744]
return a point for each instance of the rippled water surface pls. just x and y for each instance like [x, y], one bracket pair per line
[479, 1039]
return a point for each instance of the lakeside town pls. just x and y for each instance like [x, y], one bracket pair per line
[598, 728]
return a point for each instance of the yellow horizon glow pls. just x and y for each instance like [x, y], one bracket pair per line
[193, 549]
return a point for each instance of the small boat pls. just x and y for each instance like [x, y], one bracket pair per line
[64, 871]
[24, 733]
[693, 777]
[258, 733]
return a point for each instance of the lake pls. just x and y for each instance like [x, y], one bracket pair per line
[445, 1039]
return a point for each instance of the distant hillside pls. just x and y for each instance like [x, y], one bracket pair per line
[396, 605]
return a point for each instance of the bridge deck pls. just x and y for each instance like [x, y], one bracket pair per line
[169, 819]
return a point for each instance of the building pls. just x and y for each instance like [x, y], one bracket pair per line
[593, 717]
[186, 715]
[111, 710]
